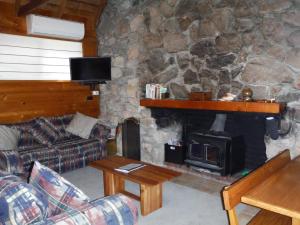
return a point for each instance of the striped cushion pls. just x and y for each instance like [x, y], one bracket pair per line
[11, 162]
[100, 132]
[27, 140]
[60, 123]
[44, 132]
[62, 195]
[20, 203]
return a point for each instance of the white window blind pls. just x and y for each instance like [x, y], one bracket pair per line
[30, 58]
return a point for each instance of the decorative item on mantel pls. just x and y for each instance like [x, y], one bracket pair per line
[200, 96]
[156, 91]
[247, 94]
[228, 97]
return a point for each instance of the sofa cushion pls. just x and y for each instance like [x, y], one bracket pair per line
[20, 203]
[101, 132]
[60, 123]
[27, 140]
[48, 156]
[61, 194]
[11, 162]
[8, 138]
[44, 132]
[82, 125]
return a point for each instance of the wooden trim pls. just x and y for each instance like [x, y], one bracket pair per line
[251, 107]
[233, 193]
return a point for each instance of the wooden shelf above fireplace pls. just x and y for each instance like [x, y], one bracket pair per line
[234, 106]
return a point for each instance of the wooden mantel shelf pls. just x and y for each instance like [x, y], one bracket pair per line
[234, 106]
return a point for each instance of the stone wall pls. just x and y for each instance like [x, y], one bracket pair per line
[198, 45]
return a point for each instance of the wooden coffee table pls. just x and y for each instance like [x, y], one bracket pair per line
[150, 179]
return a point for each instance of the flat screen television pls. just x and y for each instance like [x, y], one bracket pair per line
[90, 69]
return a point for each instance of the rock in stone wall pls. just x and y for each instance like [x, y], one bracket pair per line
[200, 45]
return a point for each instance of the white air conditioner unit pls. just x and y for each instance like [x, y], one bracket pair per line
[51, 27]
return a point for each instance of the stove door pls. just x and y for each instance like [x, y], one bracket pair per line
[205, 152]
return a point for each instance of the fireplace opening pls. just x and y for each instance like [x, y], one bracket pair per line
[225, 142]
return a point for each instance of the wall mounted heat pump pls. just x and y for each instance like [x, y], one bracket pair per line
[51, 27]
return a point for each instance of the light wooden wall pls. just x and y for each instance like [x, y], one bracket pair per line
[23, 100]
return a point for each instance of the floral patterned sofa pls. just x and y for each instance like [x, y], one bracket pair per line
[55, 147]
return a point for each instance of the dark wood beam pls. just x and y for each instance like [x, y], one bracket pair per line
[33, 4]
[61, 8]
[17, 6]
[99, 12]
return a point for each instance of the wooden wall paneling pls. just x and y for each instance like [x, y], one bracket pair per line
[21, 100]
[89, 47]
[9, 23]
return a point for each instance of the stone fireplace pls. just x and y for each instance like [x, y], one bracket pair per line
[199, 45]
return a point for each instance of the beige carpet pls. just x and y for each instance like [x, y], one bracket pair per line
[188, 200]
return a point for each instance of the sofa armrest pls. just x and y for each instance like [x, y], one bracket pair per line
[118, 209]
[10, 161]
[111, 210]
[100, 132]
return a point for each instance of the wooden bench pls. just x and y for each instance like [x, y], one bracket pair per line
[232, 194]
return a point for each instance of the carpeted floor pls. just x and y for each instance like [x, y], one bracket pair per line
[198, 204]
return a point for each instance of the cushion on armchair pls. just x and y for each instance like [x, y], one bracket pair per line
[20, 203]
[61, 194]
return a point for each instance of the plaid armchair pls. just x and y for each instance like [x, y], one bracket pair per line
[22, 203]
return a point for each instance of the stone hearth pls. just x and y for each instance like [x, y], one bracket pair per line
[199, 45]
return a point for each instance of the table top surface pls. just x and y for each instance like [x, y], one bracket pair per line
[149, 174]
[279, 193]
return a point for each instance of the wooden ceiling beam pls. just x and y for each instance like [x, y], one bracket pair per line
[29, 7]
[17, 6]
[61, 8]
[99, 12]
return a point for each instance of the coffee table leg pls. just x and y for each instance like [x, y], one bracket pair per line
[113, 184]
[151, 198]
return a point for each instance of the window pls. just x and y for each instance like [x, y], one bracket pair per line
[30, 58]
